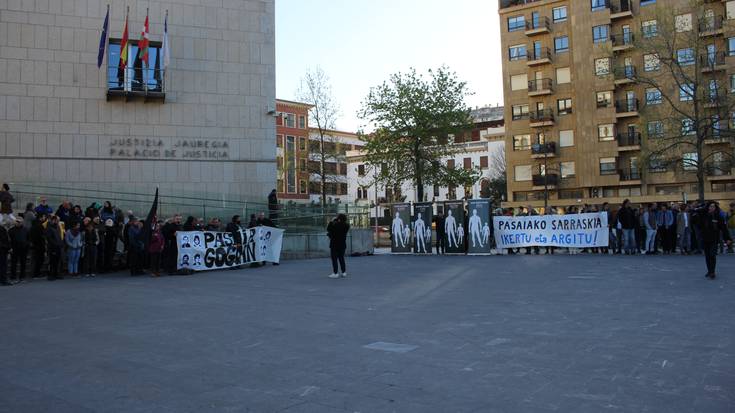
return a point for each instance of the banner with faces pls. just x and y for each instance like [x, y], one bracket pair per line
[209, 250]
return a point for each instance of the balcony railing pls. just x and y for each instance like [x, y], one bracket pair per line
[629, 174]
[629, 139]
[622, 39]
[510, 3]
[538, 22]
[538, 54]
[721, 168]
[710, 24]
[624, 72]
[539, 85]
[620, 6]
[546, 180]
[144, 82]
[547, 148]
[545, 115]
[626, 105]
[710, 60]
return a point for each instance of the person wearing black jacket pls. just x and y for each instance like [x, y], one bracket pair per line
[440, 233]
[19, 240]
[38, 242]
[628, 223]
[170, 247]
[712, 225]
[337, 232]
[55, 247]
[4, 248]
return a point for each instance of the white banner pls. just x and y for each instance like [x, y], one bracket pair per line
[208, 250]
[574, 230]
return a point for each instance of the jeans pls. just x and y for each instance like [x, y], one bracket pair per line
[629, 240]
[73, 260]
[710, 256]
[440, 243]
[650, 240]
[338, 254]
[685, 240]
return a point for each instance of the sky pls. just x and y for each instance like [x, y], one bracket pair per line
[360, 43]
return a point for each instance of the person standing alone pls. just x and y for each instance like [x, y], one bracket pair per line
[337, 232]
[712, 225]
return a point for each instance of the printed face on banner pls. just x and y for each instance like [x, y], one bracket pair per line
[401, 228]
[423, 216]
[208, 250]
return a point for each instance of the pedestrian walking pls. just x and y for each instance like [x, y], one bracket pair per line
[337, 231]
[712, 226]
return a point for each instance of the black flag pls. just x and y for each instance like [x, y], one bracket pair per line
[150, 221]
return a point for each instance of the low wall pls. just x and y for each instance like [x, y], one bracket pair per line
[316, 245]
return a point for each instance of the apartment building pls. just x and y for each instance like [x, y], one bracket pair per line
[292, 151]
[336, 145]
[576, 131]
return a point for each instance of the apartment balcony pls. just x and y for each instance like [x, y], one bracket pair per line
[545, 181]
[543, 150]
[629, 141]
[714, 101]
[620, 9]
[629, 176]
[624, 75]
[626, 108]
[713, 62]
[622, 41]
[504, 4]
[711, 26]
[541, 118]
[538, 25]
[538, 57]
[540, 87]
[719, 137]
[719, 169]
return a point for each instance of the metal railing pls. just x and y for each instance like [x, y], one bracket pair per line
[710, 24]
[622, 39]
[539, 85]
[510, 3]
[538, 22]
[710, 60]
[538, 54]
[620, 6]
[144, 80]
[721, 168]
[629, 139]
[543, 148]
[626, 105]
[545, 180]
[629, 174]
[624, 72]
[545, 115]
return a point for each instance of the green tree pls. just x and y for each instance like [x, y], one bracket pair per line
[415, 120]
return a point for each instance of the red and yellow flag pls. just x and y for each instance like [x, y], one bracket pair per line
[124, 46]
[144, 42]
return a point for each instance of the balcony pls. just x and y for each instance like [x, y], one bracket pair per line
[545, 181]
[543, 150]
[510, 3]
[538, 25]
[718, 137]
[133, 84]
[622, 41]
[713, 62]
[620, 9]
[624, 75]
[630, 141]
[629, 176]
[626, 108]
[540, 87]
[713, 101]
[541, 118]
[721, 168]
[537, 57]
[710, 26]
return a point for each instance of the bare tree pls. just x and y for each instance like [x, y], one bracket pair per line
[687, 106]
[497, 164]
[316, 90]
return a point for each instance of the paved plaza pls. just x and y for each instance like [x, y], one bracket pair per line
[564, 333]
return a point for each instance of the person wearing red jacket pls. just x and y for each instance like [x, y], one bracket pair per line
[155, 248]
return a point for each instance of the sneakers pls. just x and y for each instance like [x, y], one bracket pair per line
[344, 275]
[334, 276]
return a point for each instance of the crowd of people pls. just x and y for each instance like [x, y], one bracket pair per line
[83, 242]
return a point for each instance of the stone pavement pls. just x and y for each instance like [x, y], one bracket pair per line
[578, 333]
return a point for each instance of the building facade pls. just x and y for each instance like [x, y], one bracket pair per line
[576, 131]
[200, 124]
[292, 153]
[336, 145]
[478, 149]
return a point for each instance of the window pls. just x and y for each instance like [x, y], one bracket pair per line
[653, 96]
[649, 28]
[730, 9]
[521, 142]
[602, 66]
[689, 161]
[687, 127]
[361, 193]
[567, 169]
[522, 173]
[564, 106]
[563, 75]
[566, 138]
[655, 129]
[290, 164]
[279, 141]
[647, 2]
[598, 4]
[559, 14]
[519, 82]
[436, 190]
[360, 170]
[685, 57]
[686, 92]
[600, 33]
[683, 23]
[608, 166]
[723, 186]
[517, 52]
[135, 77]
[302, 122]
[604, 99]
[732, 83]
[483, 162]
[302, 144]
[656, 163]
[731, 46]
[630, 191]
[561, 44]
[290, 120]
[467, 163]
[520, 112]
[606, 132]
[516, 23]
[651, 62]
[302, 165]
[450, 164]
[302, 186]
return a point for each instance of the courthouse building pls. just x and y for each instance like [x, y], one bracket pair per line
[575, 114]
[200, 123]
